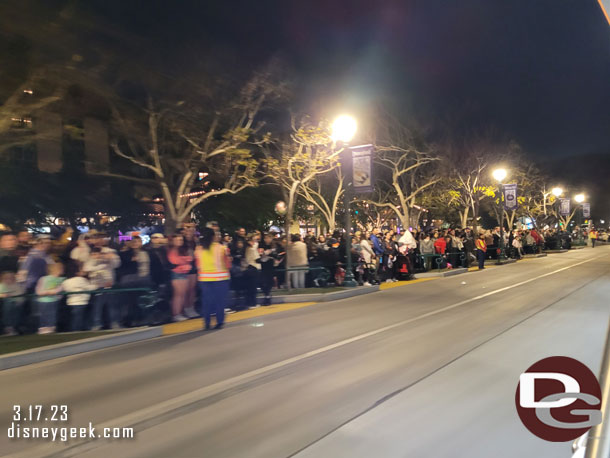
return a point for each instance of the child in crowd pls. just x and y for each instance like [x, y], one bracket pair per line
[47, 288]
[10, 305]
[77, 303]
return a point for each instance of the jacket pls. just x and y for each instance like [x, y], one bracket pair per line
[377, 246]
[426, 246]
[440, 245]
[297, 255]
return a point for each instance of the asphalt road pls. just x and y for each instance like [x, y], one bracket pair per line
[428, 369]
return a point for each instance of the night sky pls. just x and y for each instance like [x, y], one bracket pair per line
[538, 70]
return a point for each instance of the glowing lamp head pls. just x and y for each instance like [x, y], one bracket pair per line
[344, 128]
[557, 191]
[580, 198]
[499, 175]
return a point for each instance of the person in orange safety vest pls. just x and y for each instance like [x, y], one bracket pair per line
[481, 250]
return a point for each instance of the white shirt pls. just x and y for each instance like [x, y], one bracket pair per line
[366, 251]
[77, 284]
[101, 271]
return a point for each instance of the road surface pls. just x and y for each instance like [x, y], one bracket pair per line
[424, 370]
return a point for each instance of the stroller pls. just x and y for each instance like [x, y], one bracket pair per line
[403, 266]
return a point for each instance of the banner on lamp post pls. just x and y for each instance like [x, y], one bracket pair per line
[564, 207]
[362, 168]
[586, 210]
[510, 196]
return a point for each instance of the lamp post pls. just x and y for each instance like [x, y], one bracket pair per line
[499, 175]
[557, 192]
[580, 198]
[343, 130]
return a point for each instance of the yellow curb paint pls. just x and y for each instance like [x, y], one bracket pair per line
[270, 309]
[197, 324]
[385, 286]
[476, 269]
[182, 326]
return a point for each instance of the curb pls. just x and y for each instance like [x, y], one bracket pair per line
[325, 297]
[533, 256]
[37, 355]
[556, 251]
[41, 354]
[448, 273]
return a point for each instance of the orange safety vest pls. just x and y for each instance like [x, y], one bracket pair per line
[481, 245]
[213, 263]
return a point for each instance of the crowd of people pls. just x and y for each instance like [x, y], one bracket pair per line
[93, 282]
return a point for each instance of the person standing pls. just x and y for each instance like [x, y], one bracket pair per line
[407, 246]
[213, 264]
[267, 253]
[297, 260]
[181, 261]
[77, 303]
[440, 245]
[101, 267]
[252, 270]
[454, 247]
[134, 273]
[47, 289]
[481, 251]
[517, 244]
[238, 281]
[33, 269]
[190, 240]
[426, 249]
[10, 302]
[593, 237]
[367, 254]
[469, 246]
[377, 246]
[9, 256]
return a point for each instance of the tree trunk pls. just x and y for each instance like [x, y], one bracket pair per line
[464, 217]
[171, 225]
[475, 219]
[289, 216]
[404, 221]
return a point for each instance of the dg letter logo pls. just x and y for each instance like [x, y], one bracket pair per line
[558, 399]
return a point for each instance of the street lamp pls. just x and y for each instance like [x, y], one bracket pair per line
[499, 175]
[580, 198]
[557, 191]
[343, 130]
